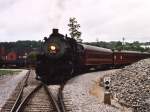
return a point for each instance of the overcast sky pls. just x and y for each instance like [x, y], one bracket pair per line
[103, 20]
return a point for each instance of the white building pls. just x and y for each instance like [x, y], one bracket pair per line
[145, 46]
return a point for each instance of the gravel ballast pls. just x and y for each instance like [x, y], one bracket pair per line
[7, 85]
[131, 86]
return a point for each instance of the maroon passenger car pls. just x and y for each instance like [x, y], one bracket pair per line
[128, 57]
[96, 56]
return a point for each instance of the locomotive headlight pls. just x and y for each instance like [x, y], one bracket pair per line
[53, 48]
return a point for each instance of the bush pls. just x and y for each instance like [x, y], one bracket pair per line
[32, 57]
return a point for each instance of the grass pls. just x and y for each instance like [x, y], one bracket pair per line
[9, 72]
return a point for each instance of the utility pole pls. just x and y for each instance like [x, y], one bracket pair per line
[123, 43]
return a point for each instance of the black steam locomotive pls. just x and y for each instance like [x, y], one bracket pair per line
[58, 57]
[62, 57]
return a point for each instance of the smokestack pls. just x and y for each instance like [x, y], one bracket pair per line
[55, 31]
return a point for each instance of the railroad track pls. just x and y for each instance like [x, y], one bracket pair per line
[18, 100]
[18, 91]
[34, 96]
[39, 99]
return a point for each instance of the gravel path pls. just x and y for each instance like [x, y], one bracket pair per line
[7, 85]
[78, 98]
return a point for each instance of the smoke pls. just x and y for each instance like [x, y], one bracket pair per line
[61, 4]
[57, 11]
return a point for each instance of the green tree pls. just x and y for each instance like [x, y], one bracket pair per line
[118, 46]
[32, 57]
[74, 29]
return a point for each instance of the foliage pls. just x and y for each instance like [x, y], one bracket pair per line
[74, 29]
[32, 57]
[20, 46]
[29, 46]
[9, 72]
[117, 45]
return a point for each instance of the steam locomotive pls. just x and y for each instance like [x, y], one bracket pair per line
[62, 57]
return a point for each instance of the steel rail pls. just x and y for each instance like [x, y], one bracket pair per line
[60, 98]
[26, 99]
[18, 100]
[51, 97]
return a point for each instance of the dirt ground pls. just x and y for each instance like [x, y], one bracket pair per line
[98, 91]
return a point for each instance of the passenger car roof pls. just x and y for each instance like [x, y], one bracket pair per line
[125, 51]
[95, 48]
